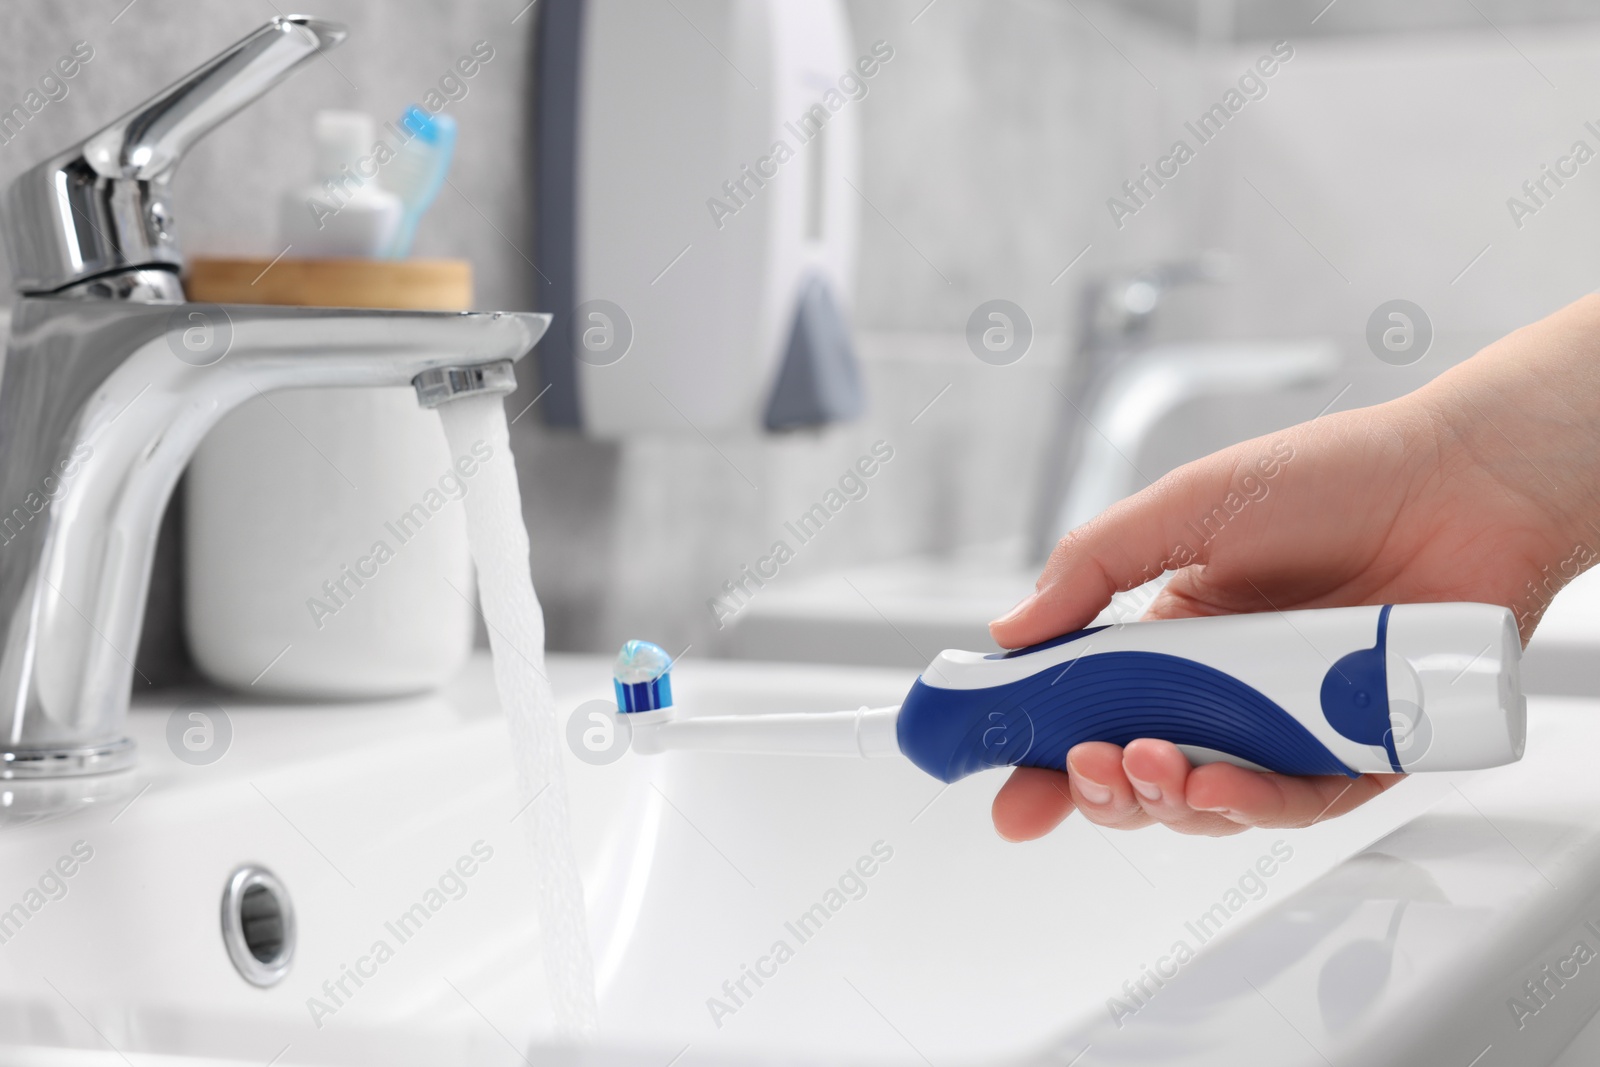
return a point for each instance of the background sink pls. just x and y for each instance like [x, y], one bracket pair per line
[902, 613]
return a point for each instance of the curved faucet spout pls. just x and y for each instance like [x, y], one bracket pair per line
[101, 406]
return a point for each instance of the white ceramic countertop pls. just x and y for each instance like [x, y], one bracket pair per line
[961, 949]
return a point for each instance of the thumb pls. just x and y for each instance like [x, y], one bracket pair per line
[1128, 544]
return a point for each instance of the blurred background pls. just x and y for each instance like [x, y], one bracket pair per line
[1376, 165]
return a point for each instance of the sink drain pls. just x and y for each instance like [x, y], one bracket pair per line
[258, 925]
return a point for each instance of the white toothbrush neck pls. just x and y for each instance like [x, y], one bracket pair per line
[865, 732]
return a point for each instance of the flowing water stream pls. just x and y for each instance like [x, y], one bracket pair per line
[516, 637]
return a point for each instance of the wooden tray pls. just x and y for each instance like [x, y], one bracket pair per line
[410, 284]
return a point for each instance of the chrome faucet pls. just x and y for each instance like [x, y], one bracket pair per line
[1115, 313]
[1120, 389]
[111, 380]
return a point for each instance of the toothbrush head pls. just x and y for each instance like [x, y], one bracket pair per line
[642, 677]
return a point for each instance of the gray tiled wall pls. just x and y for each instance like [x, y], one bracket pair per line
[1378, 167]
[1241, 20]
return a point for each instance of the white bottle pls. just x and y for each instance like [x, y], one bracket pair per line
[344, 212]
[309, 570]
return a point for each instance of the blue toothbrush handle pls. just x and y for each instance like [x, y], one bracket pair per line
[1335, 691]
[1116, 697]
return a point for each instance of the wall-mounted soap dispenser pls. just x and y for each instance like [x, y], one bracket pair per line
[696, 216]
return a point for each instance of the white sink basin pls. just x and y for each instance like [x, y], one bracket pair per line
[898, 613]
[1562, 657]
[960, 949]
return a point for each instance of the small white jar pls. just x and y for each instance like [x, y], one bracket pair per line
[326, 549]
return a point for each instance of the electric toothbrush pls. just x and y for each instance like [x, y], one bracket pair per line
[1388, 689]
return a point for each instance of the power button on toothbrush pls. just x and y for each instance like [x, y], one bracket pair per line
[1349, 692]
[1348, 688]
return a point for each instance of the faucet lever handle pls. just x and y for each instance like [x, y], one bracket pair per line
[100, 206]
[146, 143]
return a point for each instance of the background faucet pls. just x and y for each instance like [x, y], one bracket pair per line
[111, 380]
[1117, 391]
[1114, 315]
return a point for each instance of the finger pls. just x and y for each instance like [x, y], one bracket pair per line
[1032, 802]
[1159, 774]
[1100, 788]
[1125, 546]
[1255, 798]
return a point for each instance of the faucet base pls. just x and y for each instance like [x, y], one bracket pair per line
[66, 762]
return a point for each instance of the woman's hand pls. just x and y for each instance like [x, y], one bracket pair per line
[1482, 486]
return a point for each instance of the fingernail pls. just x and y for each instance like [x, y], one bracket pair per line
[1022, 605]
[1145, 789]
[1226, 813]
[1092, 791]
